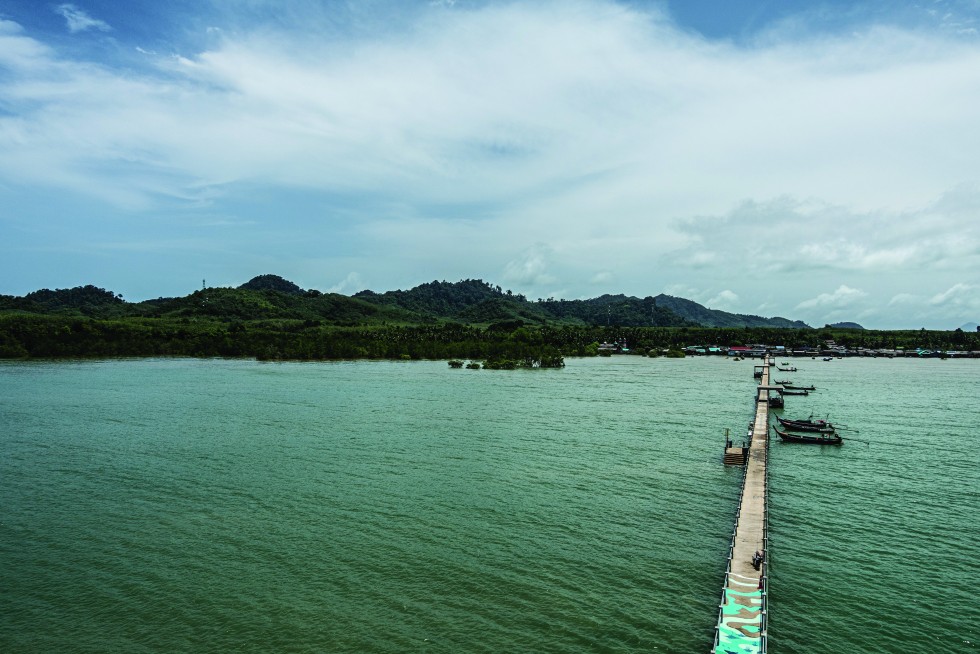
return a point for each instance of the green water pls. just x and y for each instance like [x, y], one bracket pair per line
[876, 544]
[188, 505]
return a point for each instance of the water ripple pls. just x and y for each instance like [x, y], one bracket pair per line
[377, 507]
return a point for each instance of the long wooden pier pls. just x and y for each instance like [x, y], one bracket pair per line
[741, 627]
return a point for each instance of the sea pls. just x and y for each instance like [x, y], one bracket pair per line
[214, 505]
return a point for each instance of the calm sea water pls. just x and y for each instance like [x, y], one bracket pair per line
[216, 505]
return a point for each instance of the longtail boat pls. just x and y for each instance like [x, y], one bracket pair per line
[813, 439]
[799, 388]
[790, 369]
[821, 426]
[787, 391]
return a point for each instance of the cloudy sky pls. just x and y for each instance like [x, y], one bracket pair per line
[819, 162]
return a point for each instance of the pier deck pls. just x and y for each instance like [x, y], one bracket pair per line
[742, 613]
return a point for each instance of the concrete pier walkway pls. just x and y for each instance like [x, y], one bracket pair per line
[742, 613]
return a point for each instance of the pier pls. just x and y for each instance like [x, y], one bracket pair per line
[741, 626]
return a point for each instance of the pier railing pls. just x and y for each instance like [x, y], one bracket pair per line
[752, 643]
[728, 565]
[764, 582]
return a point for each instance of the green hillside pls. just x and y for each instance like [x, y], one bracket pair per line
[705, 317]
[469, 301]
[476, 301]
[272, 318]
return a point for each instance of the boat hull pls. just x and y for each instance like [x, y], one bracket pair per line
[810, 439]
[807, 425]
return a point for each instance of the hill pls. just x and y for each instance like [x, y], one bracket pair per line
[477, 301]
[272, 283]
[845, 325]
[622, 310]
[690, 310]
[245, 304]
[220, 304]
[442, 299]
[85, 300]
[271, 318]
[471, 301]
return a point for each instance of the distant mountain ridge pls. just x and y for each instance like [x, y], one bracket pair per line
[706, 317]
[441, 298]
[478, 301]
[471, 301]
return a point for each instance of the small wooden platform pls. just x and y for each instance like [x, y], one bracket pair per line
[736, 456]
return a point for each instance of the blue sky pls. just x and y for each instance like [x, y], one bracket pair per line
[818, 161]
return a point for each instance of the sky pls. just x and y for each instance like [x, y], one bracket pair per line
[815, 161]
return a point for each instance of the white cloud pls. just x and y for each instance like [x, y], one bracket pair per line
[904, 298]
[453, 138]
[946, 309]
[352, 283]
[725, 300]
[531, 268]
[79, 21]
[516, 98]
[787, 235]
[844, 296]
[684, 291]
[958, 295]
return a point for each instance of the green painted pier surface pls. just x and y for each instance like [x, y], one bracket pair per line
[742, 612]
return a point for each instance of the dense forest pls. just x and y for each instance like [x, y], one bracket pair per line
[271, 318]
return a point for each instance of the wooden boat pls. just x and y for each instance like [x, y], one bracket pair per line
[790, 369]
[814, 439]
[785, 382]
[821, 426]
[809, 421]
[799, 388]
[787, 391]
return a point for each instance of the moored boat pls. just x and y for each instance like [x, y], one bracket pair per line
[799, 388]
[814, 439]
[821, 426]
[790, 369]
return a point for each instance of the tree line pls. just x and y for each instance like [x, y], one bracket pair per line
[29, 335]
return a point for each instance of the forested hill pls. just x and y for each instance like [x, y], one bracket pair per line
[473, 300]
[219, 304]
[612, 310]
[272, 318]
[83, 299]
[446, 299]
[705, 317]
[476, 301]
[470, 301]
